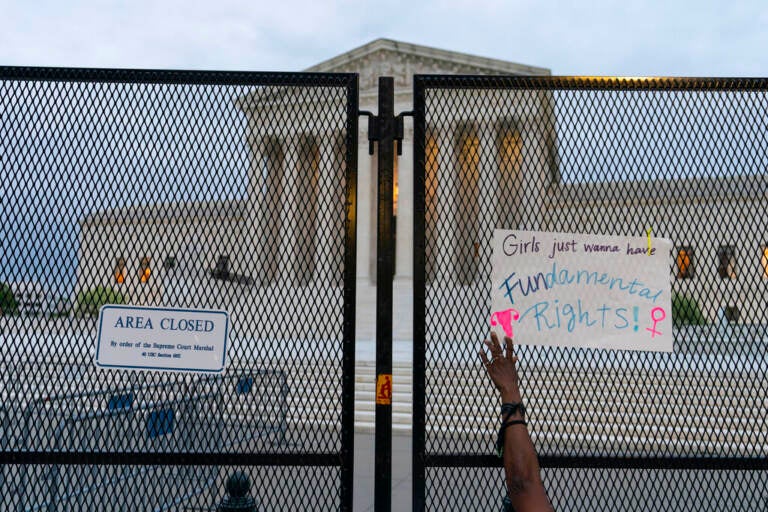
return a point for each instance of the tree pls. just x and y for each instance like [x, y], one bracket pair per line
[8, 303]
[88, 302]
[686, 311]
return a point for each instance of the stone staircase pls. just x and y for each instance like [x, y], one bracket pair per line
[680, 404]
[633, 409]
[365, 397]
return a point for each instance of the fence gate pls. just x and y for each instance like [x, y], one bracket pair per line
[614, 430]
[177, 190]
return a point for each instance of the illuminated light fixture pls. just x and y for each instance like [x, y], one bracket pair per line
[144, 271]
[120, 271]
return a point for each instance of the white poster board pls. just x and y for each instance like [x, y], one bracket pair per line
[582, 290]
[162, 339]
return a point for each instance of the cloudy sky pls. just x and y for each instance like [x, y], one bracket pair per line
[597, 37]
[600, 37]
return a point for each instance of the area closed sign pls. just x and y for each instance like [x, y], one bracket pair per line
[162, 339]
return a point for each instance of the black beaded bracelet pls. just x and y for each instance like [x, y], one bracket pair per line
[510, 408]
[500, 438]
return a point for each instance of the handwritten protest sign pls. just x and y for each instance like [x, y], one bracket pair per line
[581, 290]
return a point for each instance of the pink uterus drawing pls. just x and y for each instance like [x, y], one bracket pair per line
[505, 318]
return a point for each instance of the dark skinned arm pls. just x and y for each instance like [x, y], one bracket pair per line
[521, 464]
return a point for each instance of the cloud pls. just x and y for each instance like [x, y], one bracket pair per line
[175, 34]
[602, 37]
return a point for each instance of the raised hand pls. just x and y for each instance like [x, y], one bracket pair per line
[502, 367]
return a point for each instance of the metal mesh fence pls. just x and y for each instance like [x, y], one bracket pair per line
[584, 489]
[684, 157]
[190, 190]
[183, 488]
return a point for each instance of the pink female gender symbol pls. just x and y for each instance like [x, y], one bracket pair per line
[505, 318]
[656, 319]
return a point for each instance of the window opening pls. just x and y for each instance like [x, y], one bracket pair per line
[120, 271]
[684, 262]
[726, 262]
[144, 270]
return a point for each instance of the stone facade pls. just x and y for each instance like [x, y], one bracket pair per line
[190, 240]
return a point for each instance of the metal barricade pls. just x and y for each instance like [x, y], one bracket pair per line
[614, 430]
[150, 419]
[183, 190]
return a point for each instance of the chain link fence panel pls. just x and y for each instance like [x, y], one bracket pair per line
[613, 429]
[184, 190]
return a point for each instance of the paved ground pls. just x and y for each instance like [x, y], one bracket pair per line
[459, 489]
[577, 490]
[364, 473]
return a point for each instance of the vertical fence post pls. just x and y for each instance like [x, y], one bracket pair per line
[418, 472]
[385, 127]
[350, 293]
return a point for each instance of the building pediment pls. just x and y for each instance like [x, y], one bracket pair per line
[385, 57]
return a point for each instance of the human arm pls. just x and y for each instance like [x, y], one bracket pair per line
[521, 464]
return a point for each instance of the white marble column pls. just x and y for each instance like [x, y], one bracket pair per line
[329, 236]
[253, 216]
[534, 172]
[446, 207]
[488, 185]
[364, 210]
[404, 248]
[365, 324]
[373, 214]
[289, 214]
[402, 288]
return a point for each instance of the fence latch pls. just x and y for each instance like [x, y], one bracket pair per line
[376, 125]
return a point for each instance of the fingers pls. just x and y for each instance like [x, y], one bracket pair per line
[484, 356]
[508, 352]
[510, 348]
[494, 345]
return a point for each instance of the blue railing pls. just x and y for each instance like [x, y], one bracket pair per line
[210, 414]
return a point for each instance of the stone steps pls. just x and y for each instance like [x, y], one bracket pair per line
[583, 409]
[365, 397]
[560, 403]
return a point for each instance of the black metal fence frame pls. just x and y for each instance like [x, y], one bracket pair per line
[344, 459]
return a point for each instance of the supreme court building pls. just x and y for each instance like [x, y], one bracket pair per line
[235, 253]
